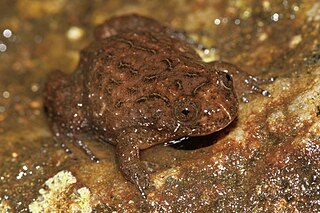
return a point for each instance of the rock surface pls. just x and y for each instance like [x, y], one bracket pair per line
[267, 160]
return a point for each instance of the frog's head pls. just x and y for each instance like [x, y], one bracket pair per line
[210, 109]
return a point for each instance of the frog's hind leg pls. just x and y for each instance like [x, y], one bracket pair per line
[183, 36]
[132, 22]
[61, 138]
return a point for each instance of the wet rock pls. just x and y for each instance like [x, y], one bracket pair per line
[267, 160]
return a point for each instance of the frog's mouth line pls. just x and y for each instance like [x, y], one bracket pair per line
[226, 112]
[177, 127]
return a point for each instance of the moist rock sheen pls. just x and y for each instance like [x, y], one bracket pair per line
[138, 85]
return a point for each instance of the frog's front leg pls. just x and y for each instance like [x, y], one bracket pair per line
[128, 156]
[243, 82]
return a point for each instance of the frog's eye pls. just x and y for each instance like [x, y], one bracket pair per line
[185, 110]
[225, 80]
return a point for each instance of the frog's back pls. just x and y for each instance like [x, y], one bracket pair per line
[133, 78]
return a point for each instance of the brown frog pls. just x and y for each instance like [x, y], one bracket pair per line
[138, 84]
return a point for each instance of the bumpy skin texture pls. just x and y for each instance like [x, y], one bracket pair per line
[138, 85]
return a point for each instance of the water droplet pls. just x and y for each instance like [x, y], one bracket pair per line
[2, 109]
[206, 51]
[7, 33]
[275, 17]
[3, 47]
[19, 176]
[217, 21]
[75, 33]
[237, 21]
[34, 87]
[6, 94]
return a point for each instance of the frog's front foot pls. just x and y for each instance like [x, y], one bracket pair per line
[128, 156]
[137, 174]
[252, 86]
[243, 82]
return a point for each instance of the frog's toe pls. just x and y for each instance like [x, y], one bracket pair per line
[263, 80]
[65, 148]
[258, 89]
[251, 85]
[141, 180]
[86, 149]
[253, 89]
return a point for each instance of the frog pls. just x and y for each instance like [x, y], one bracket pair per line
[139, 84]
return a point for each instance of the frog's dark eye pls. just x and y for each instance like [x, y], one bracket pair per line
[185, 110]
[225, 80]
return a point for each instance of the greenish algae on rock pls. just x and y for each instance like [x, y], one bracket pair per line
[59, 195]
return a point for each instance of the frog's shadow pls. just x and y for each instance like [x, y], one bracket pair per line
[198, 142]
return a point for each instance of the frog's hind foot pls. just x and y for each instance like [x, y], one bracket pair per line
[59, 141]
[60, 137]
[79, 143]
[65, 148]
